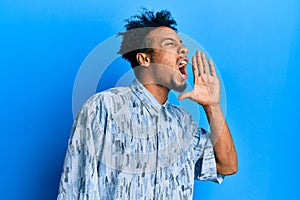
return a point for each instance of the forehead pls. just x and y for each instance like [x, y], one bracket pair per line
[160, 33]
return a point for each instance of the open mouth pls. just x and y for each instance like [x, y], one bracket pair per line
[182, 68]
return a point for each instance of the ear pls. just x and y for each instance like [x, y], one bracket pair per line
[143, 59]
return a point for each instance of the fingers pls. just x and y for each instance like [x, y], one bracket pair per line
[212, 68]
[185, 95]
[205, 68]
[195, 68]
[205, 65]
[199, 62]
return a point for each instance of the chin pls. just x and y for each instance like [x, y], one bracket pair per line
[178, 87]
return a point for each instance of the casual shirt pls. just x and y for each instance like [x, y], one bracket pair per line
[125, 145]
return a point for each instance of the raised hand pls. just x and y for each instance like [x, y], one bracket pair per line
[206, 83]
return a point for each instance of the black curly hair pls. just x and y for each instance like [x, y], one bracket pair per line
[137, 28]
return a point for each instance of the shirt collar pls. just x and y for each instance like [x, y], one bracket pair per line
[149, 101]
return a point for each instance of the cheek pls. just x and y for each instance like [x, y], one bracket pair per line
[169, 64]
[163, 72]
[166, 58]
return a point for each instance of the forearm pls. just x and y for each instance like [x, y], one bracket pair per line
[224, 149]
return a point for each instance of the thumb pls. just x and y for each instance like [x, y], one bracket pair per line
[185, 95]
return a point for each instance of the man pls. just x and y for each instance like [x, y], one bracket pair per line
[130, 143]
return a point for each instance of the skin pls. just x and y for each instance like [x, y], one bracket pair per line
[159, 73]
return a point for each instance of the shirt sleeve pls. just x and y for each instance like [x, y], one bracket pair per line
[79, 179]
[205, 167]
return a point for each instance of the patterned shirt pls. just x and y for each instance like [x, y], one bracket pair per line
[125, 145]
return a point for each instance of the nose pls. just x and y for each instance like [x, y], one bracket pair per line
[183, 50]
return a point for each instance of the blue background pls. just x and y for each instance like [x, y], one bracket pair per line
[255, 44]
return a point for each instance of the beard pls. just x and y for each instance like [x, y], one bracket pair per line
[177, 87]
[175, 82]
[168, 77]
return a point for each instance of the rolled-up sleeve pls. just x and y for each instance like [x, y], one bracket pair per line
[205, 167]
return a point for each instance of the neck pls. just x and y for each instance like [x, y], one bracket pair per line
[158, 91]
[144, 75]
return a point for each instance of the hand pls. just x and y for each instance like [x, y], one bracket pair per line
[206, 83]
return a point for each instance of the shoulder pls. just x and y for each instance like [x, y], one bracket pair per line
[177, 110]
[183, 116]
[108, 98]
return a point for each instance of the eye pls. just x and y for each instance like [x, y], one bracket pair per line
[170, 44]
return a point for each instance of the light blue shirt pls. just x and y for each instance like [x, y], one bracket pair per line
[125, 145]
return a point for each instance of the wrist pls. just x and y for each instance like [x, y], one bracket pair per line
[211, 107]
[213, 112]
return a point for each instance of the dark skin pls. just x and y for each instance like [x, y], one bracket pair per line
[207, 93]
[165, 70]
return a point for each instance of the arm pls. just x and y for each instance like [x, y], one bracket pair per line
[225, 153]
[79, 175]
[207, 93]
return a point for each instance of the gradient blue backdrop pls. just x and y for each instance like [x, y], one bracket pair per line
[255, 44]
